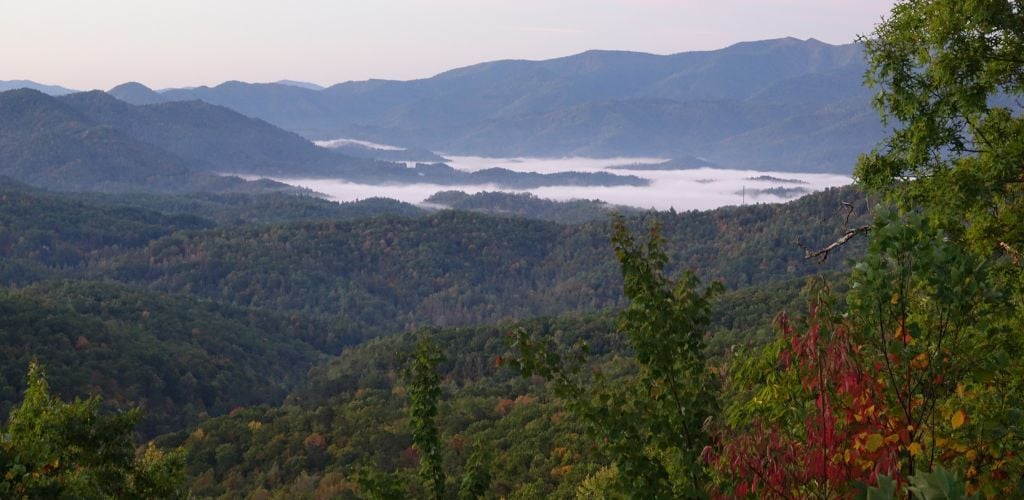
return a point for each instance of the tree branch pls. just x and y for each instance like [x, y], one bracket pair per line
[822, 253]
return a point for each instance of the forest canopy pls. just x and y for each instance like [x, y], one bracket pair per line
[862, 342]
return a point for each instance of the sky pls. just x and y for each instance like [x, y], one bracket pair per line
[97, 44]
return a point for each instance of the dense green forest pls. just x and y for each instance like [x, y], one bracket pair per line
[194, 307]
[177, 357]
[527, 205]
[381, 274]
[861, 342]
[45, 142]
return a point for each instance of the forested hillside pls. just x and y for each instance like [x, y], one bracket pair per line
[269, 208]
[456, 268]
[46, 143]
[213, 138]
[527, 205]
[348, 413]
[160, 338]
[191, 306]
[91, 141]
[178, 358]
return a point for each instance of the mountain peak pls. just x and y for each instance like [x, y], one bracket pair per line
[136, 93]
[132, 86]
[778, 43]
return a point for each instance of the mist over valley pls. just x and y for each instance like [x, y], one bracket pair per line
[680, 189]
[486, 257]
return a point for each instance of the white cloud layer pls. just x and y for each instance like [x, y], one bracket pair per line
[696, 189]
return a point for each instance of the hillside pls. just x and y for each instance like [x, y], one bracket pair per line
[457, 268]
[216, 139]
[181, 359]
[244, 208]
[350, 414]
[723, 105]
[227, 313]
[528, 206]
[350, 411]
[387, 271]
[46, 143]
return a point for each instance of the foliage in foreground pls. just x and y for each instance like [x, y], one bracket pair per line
[53, 449]
[650, 423]
[921, 373]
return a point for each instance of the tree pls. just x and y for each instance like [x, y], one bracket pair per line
[946, 270]
[53, 449]
[476, 479]
[949, 78]
[424, 391]
[649, 422]
[927, 310]
[806, 416]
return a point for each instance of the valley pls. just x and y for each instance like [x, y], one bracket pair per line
[484, 257]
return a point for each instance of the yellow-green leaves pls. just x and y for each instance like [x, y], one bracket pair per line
[874, 442]
[958, 419]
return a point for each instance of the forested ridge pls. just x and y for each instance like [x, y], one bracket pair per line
[862, 342]
[196, 306]
[179, 358]
[91, 141]
[761, 105]
[381, 274]
[45, 142]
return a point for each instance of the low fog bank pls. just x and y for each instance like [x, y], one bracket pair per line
[698, 189]
[690, 189]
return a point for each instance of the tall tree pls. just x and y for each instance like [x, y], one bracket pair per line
[950, 79]
[424, 385]
[943, 287]
[650, 422]
[53, 449]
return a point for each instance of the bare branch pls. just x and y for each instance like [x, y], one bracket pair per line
[849, 212]
[823, 253]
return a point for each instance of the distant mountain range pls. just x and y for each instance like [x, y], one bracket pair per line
[46, 142]
[785, 105]
[782, 104]
[29, 84]
[214, 138]
[91, 141]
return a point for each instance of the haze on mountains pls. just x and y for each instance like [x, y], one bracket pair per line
[782, 105]
[29, 84]
[778, 105]
[514, 326]
[48, 143]
[93, 141]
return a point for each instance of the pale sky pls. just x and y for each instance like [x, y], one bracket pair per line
[86, 44]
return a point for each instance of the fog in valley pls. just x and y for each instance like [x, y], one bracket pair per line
[691, 189]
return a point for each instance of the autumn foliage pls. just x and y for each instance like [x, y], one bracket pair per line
[846, 436]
